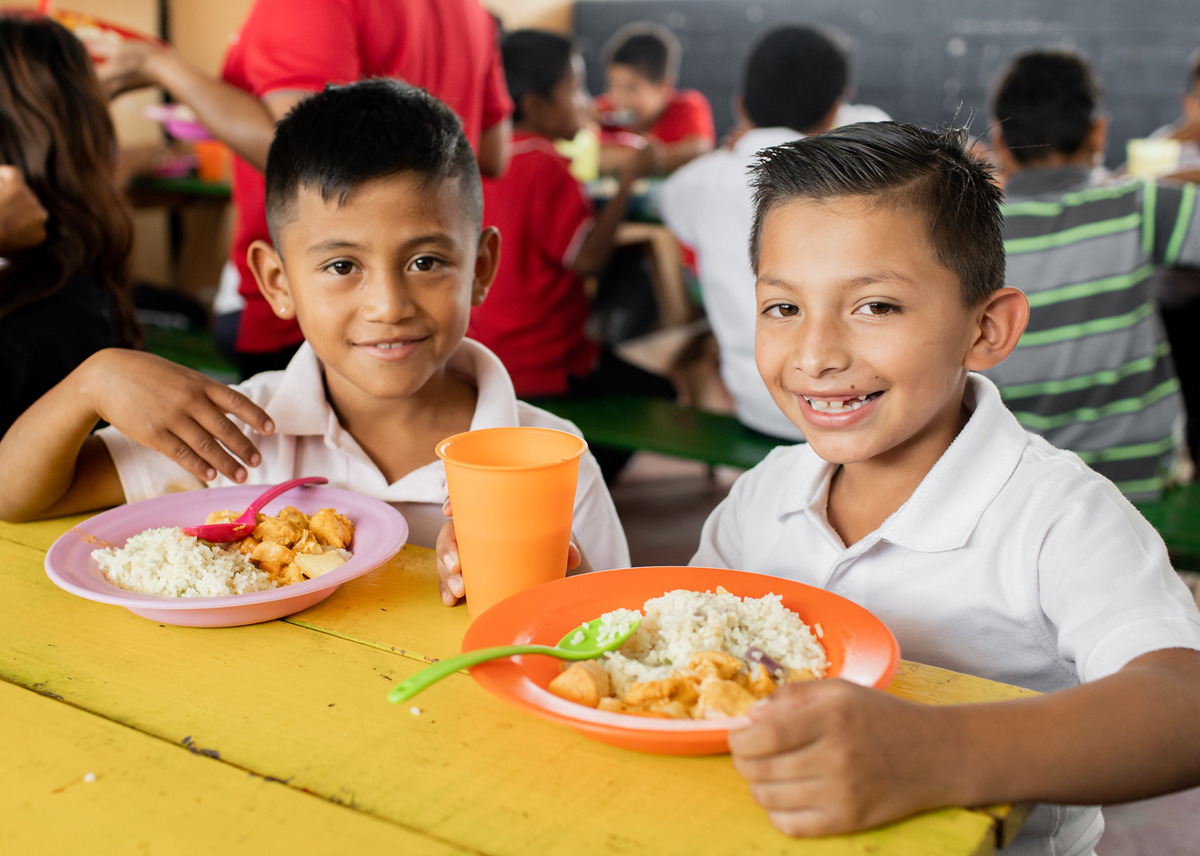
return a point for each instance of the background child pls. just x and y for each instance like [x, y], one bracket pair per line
[642, 106]
[1093, 372]
[880, 268]
[379, 255]
[793, 84]
[64, 291]
[537, 309]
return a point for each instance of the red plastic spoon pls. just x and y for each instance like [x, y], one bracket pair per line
[243, 525]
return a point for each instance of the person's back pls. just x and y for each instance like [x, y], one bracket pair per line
[1093, 372]
[709, 203]
[66, 296]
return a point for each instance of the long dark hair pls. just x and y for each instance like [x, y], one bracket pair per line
[55, 127]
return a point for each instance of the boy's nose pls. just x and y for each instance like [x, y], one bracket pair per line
[386, 299]
[820, 347]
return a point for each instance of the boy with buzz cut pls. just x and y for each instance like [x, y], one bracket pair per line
[375, 210]
[880, 295]
[643, 107]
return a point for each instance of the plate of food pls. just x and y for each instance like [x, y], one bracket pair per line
[308, 542]
[712, 641]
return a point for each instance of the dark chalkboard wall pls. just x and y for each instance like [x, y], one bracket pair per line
[930, 61]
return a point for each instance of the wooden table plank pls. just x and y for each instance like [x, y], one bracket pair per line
[74, 782]
[468, 770]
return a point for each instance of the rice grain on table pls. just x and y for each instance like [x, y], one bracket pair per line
[167, 563]
[682, 623]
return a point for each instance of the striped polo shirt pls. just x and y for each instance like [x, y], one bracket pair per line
[1093, 372]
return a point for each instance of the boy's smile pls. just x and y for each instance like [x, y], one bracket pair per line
[382, 285]
[862, 336]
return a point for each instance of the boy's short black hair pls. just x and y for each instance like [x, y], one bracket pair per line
[346, 135]
[535, 61]
[793, 77]
[648, 48]
[896, 165]
[1045, 102]
[1193, 71]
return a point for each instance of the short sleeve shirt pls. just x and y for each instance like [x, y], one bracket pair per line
[986, 569]
[534, 315]
[687, 114]
[309, 440]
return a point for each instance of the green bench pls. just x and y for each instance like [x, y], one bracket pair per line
[1177, 518]
[638, 423]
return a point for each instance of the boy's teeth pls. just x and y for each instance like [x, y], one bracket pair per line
[838, 406]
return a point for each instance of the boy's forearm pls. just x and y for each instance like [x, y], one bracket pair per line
[1129, 736]
[39, 453]
[597, 246]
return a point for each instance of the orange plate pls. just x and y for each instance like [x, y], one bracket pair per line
[860, 648]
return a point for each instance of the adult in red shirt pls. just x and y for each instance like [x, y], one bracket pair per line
[288, 49]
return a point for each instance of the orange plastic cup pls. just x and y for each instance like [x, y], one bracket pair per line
[513, 493]
[212, 160]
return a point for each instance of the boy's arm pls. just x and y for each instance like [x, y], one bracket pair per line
[828, 757]
[50, 465]
[597, 246]
[668, 157]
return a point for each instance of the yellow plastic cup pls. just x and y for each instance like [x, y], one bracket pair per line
[513, 493]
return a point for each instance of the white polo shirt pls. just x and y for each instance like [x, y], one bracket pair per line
[1012, 560]
[309, 440]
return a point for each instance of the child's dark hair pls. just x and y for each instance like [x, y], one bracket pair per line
[534, 63]
[1045, 102]
[901, 166]
[793, 77]
[649, 49]
[347, 135]
[1193, 77]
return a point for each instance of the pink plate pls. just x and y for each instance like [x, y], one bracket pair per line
[379, 533]
[859, 646]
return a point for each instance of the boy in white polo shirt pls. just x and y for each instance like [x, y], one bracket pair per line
[880, 272]
[375, 208]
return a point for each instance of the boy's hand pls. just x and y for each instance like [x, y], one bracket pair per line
[829, 757]
[176, 411]
[22, 217]
[450, 581]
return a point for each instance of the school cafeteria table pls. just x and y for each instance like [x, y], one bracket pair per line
[123, 735]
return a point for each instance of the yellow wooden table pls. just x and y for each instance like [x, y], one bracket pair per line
[122, 735]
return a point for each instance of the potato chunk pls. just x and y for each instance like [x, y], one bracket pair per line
[584, 682]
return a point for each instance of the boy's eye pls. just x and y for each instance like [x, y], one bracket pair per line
[341, 267]
[782, 310]
[875, 309]
[425, 263]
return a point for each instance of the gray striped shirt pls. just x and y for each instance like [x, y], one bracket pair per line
[1093, 371]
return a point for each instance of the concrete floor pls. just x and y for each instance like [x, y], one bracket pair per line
[663, 503]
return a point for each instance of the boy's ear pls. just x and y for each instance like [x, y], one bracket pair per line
[267, 266]
[1002, 320]
[487, 262]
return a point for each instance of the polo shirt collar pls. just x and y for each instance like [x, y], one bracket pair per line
[298, 405]
[948, 504]
[300, 408]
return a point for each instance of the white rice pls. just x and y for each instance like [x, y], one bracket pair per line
[682, 623]
[167, 563]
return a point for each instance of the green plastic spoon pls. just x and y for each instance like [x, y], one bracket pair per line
[579, 644]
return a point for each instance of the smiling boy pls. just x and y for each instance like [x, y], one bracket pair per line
[375, 207]
[880, 273]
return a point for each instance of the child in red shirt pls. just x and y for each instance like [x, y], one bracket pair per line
[642, 107]
[536, 311]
